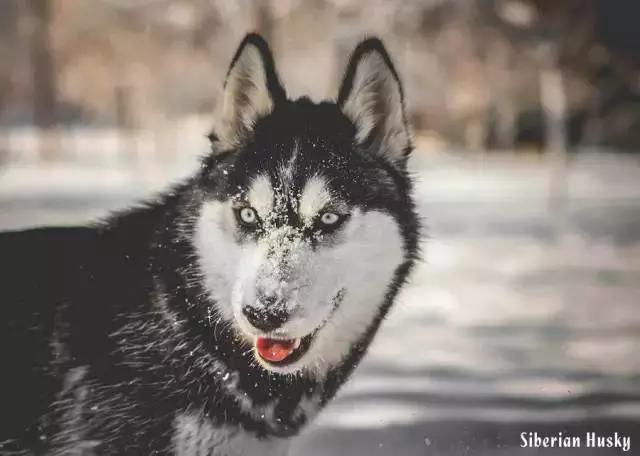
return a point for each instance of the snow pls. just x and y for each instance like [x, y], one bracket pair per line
[522, 317]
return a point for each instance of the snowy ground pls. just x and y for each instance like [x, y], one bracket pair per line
[520, 319]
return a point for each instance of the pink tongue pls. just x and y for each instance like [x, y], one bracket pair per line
[273, 349]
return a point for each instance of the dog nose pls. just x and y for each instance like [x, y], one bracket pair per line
[266, 319]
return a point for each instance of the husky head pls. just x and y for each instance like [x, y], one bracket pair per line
[306, 229]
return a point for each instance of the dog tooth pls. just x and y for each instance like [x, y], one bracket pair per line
[296, 344]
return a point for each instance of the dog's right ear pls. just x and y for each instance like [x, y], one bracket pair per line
[251, 91]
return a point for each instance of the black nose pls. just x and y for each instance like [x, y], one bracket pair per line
[265, 318]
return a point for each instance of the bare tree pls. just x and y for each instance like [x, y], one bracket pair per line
[43, 71]
[263, 18]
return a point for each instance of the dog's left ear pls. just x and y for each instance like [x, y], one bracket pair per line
[251, 91]
[371, 97]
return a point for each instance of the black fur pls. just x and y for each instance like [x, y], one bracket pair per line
[91, 363]
[273, 82]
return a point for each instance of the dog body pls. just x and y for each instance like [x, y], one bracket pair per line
[219, 319]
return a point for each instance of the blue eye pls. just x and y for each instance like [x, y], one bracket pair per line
[329, 218]
[247, 216]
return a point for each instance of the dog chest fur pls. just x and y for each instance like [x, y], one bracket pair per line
[195, 436]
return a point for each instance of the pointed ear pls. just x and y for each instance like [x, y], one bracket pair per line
[251, 91]
[371, 97]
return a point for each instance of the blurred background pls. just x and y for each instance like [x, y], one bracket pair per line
[525, 314]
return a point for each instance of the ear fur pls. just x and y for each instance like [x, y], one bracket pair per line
[251, 91]
[371, 97]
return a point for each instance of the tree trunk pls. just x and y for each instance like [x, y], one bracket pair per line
[43, 73]
[554, 107]
[263, 19]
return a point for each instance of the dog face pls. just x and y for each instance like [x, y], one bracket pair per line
[307, 215]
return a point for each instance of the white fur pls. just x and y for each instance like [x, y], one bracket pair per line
[375, 101]
[261, 196]
[363, 263]
[218, 252]
[196, 436]
[361, 260]
[315, 196]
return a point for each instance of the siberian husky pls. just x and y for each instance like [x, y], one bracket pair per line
[219, 319]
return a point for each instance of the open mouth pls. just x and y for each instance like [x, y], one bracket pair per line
[282, 352]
